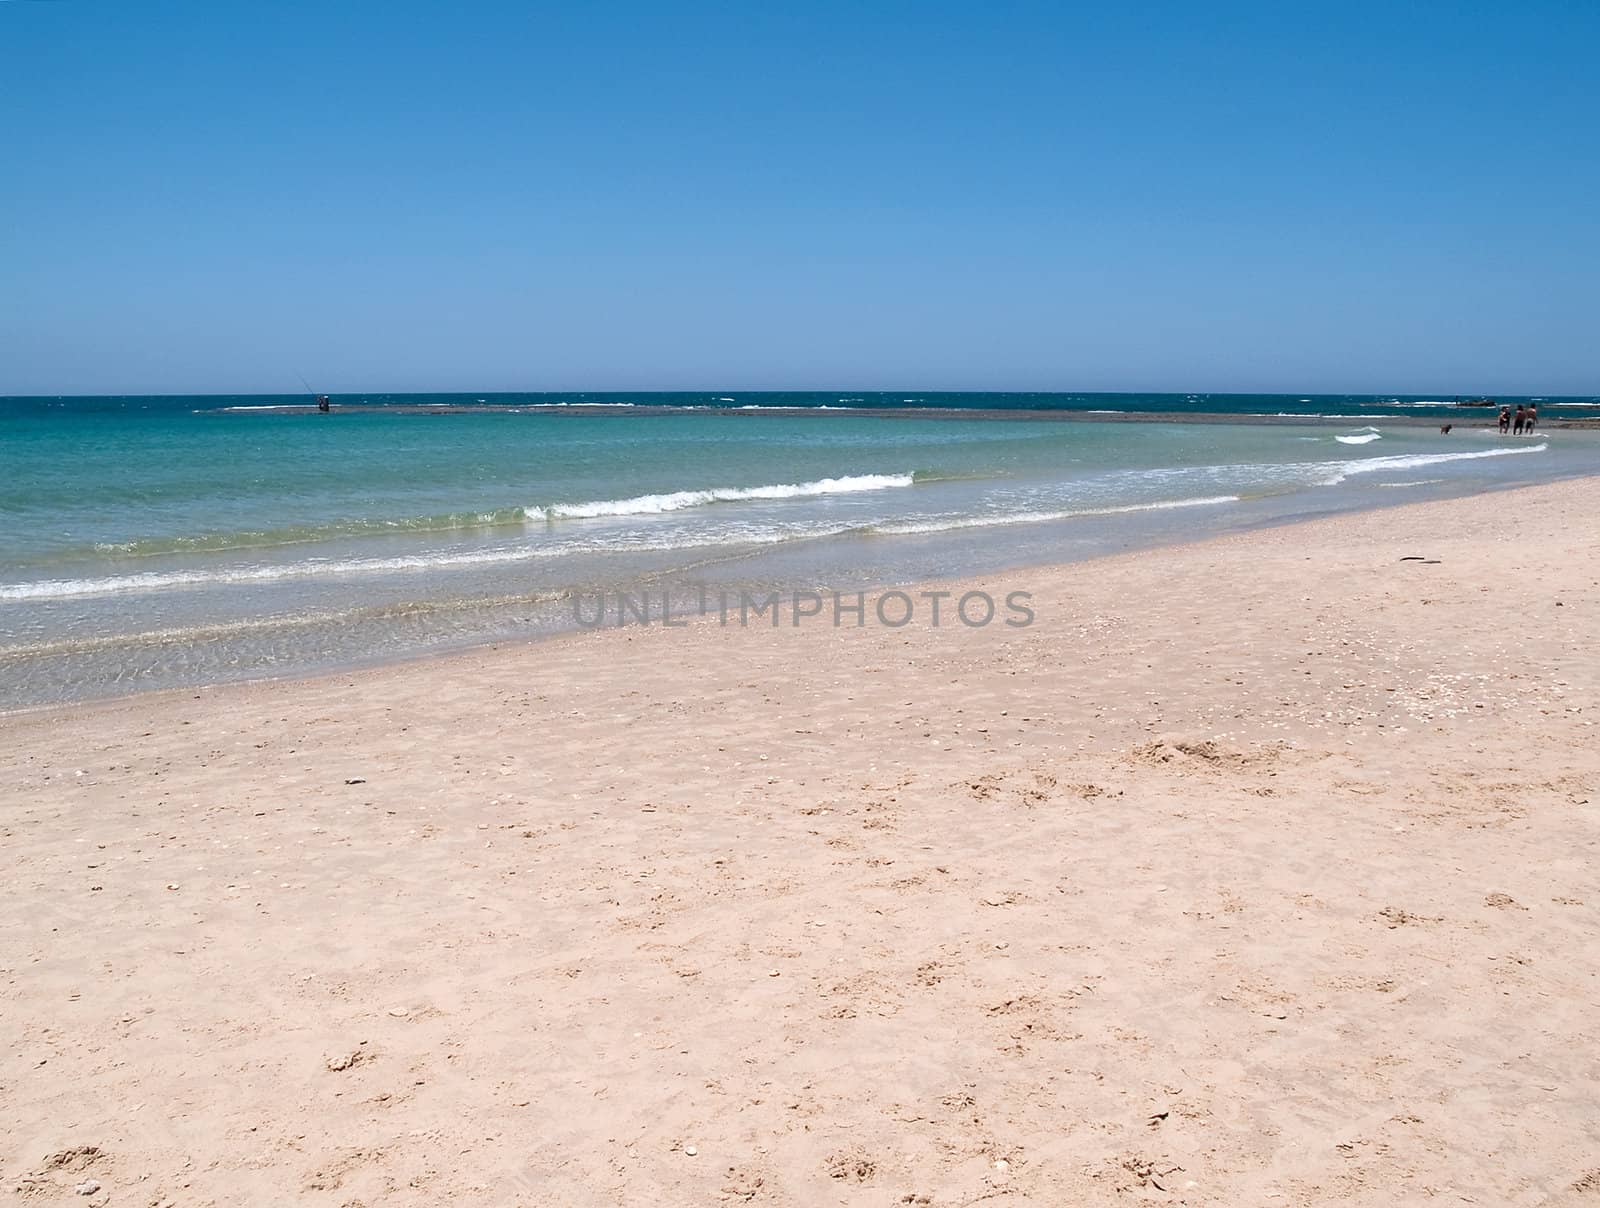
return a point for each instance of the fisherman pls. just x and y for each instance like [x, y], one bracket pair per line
[322, 402]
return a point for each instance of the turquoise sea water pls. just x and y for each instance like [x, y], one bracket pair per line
[154, 543]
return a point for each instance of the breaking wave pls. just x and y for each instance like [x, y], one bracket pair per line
[1364, 437]
[677, 501]
[946, 523]
[1340, 470]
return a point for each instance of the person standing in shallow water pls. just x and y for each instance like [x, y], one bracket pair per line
[1517, 420]
[1528, 420]
[1505, 420]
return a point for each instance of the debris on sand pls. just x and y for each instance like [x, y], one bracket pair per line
[853, 1165]
[79, 1157]
[344, 1061]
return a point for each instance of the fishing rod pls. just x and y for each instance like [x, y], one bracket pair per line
[320, 399]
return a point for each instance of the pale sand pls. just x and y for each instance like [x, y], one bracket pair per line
[1260, 871]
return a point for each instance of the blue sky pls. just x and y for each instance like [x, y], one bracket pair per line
[494, 195]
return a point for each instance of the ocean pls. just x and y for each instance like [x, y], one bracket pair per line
[163, 542]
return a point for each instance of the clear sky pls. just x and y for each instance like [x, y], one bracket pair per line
[497, 194]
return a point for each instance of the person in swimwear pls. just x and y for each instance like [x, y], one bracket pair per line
[1529, 420]
[1517, 420]
[1505, 420]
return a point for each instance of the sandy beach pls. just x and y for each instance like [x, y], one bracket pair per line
[1256, 871]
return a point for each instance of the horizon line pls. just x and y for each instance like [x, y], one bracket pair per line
[1441, 395]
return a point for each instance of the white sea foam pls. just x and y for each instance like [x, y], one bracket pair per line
[787, 407]
[942, 524]
[1340, 470]
[1364, 437]
[317, 568]
[676, 501]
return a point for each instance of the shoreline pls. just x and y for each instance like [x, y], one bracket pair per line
[474, 647]
[1259, 869]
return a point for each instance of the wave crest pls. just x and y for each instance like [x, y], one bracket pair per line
[677, 501]
[1364, 437]
[945, 524]
[1412, 461]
